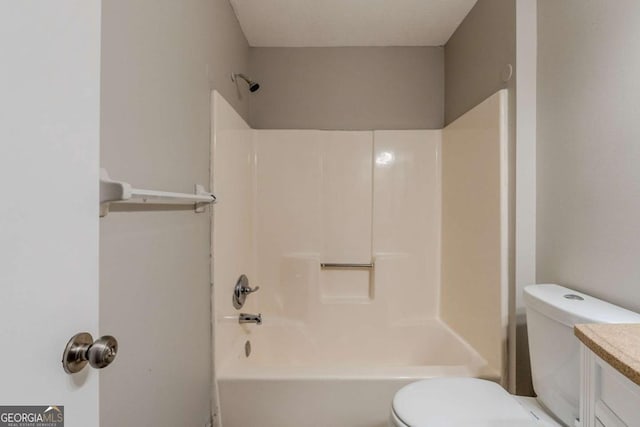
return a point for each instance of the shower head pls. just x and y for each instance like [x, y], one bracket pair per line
[253, 86]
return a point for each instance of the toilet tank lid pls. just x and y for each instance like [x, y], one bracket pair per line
[570, 307]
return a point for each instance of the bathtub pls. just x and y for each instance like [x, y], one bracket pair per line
[298, 377]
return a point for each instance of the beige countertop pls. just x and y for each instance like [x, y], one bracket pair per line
[616, 344]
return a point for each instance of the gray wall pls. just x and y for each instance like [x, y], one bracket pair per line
[476, 55]
[160, 58]
[589, 147]
[350, 88]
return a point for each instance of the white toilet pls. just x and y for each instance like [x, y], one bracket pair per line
[552, 311]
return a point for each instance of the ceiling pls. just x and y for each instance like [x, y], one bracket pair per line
[312, 23]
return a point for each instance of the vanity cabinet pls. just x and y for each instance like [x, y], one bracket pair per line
[607, 397]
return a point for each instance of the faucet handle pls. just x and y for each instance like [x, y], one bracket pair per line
[241, 290]
[249, 290]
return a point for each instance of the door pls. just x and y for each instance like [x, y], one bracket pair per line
[49, 145]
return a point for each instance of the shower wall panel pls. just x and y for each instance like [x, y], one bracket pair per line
[313, 195]
[475, 228]
[288, 212]
[406, 213]
[346, 214]
[233, 240]
[348, 197]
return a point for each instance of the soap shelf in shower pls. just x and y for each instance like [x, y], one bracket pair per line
[121, 192]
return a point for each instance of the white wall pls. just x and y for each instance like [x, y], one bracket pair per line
[160, 60]
[475, 228]
[588, 147]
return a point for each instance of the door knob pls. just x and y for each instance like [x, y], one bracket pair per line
[82, 350]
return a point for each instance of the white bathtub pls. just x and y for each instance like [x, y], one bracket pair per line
[295, 377]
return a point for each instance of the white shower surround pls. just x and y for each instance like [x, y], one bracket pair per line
[290, 199]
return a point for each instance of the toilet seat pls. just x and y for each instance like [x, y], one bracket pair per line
[459, 402]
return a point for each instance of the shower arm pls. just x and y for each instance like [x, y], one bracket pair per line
[234, 76]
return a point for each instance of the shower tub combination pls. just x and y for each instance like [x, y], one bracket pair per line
[421, 215]
[292, 378]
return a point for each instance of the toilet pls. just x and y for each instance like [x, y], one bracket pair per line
[552, 311]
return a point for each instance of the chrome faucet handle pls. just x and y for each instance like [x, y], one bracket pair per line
[241, 290]
[248, 290]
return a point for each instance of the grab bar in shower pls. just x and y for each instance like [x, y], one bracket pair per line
[332, 265]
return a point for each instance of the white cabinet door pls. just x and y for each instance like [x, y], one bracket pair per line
[49, 147]
[607, 398]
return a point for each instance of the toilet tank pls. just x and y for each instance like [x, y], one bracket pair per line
[552, 311]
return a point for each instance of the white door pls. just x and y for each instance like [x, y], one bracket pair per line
[49, 145]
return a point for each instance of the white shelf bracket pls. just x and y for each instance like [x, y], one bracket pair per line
[121, 192]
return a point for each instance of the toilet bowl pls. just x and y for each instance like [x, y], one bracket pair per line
[552, 311]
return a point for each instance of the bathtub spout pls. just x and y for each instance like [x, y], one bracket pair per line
[250, 318]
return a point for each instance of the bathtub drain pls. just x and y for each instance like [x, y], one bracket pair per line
[247, 348]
